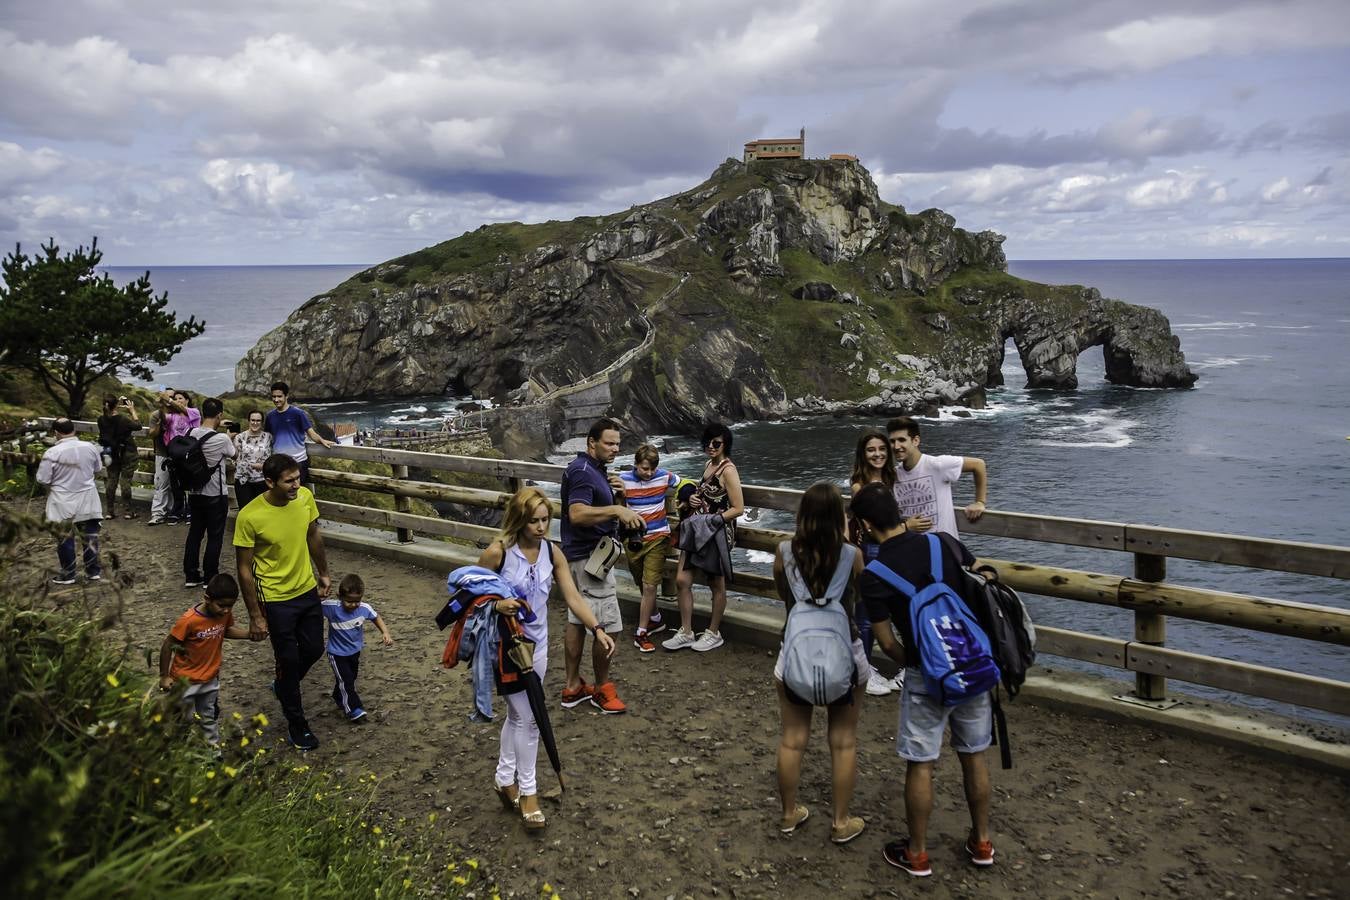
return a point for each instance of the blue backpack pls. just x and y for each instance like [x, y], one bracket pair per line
[954, 652]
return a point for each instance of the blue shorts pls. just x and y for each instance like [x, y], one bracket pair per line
[923, 721]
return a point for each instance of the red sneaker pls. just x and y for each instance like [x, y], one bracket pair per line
[981, 852]
[898, 854]
[581, 694]
[643, 642]
[606, 699]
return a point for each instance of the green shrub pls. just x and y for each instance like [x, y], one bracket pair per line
[105, 790]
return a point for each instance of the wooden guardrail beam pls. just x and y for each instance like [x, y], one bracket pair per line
[392, 519]
[1303, 620]
[1240, 550]
[1240, 677]
[1052, 581]
[1048, 529]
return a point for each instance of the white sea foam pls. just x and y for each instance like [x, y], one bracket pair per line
[1223, 362]
[1211, 326]
[1094, 429]
[762, 557]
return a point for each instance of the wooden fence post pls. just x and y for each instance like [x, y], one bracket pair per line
[1149, 627]
[403, 505]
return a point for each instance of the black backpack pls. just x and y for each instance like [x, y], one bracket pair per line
[1004, 618]
[1012, 637]
[186, 462]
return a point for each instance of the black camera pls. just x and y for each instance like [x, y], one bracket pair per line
[632, 536]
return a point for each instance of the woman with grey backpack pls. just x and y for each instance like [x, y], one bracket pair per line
[821, 661]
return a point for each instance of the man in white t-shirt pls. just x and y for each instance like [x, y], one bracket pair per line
[923, 483]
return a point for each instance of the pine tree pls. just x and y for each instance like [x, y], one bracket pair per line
[70, 326]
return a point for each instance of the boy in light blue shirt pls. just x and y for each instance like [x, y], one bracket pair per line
[347, 616]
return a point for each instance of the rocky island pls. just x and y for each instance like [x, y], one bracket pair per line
[776, 287]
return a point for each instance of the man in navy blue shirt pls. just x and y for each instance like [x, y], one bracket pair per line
[289, 426]
[590, 518]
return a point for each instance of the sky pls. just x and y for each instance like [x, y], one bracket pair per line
[346, 131]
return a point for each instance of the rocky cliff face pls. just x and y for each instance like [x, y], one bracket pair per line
[775, 287]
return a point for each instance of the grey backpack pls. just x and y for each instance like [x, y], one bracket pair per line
[817, 644]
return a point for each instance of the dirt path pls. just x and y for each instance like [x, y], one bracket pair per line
[677, 798]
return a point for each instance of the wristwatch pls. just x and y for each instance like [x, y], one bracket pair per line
[598, 629]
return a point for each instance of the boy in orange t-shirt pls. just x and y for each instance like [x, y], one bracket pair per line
[192, 651]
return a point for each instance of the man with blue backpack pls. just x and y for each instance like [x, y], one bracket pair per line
[949, 670]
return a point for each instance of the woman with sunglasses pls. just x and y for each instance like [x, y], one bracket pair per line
[251, 449]
[719, 493]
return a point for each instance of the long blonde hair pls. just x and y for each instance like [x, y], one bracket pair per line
[519, 508]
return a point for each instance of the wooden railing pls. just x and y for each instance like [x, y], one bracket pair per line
[1146, 592]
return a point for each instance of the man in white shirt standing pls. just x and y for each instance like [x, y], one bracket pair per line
[67, 470]
[923, 483]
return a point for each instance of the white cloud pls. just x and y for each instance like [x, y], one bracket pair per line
[20, 166]
[1276, 190]
[239, 185]
[360, 128]
[1172, 189]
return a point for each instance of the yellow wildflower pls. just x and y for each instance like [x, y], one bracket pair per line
[230, 771]
[210, 773]
[112, 679]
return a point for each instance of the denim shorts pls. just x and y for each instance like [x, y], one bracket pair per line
[923, 720]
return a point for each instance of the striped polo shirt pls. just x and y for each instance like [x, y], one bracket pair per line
[648, 499]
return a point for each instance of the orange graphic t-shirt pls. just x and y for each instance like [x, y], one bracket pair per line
[201, 637]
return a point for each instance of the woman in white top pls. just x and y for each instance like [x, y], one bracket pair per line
[251, 449]
[530, 564]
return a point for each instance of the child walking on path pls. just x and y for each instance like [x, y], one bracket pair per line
[346, 617]
[193, 649]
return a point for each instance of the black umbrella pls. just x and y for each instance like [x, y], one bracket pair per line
[534, 690]
[520, 655]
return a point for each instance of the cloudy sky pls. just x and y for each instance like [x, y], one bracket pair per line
[346, 131]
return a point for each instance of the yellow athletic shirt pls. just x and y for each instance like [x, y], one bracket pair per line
[281, 564]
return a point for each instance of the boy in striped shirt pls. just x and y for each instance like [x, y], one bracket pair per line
[645, 487]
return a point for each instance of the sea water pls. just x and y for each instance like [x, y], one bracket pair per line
[1258, 447]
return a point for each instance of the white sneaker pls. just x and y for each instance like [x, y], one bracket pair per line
[878, 685]
[898, 682]
[708, 640]
[679, 640]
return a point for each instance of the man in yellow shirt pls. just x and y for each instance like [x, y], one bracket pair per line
[278, 546]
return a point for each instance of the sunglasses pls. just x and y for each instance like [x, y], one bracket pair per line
[712, 445]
